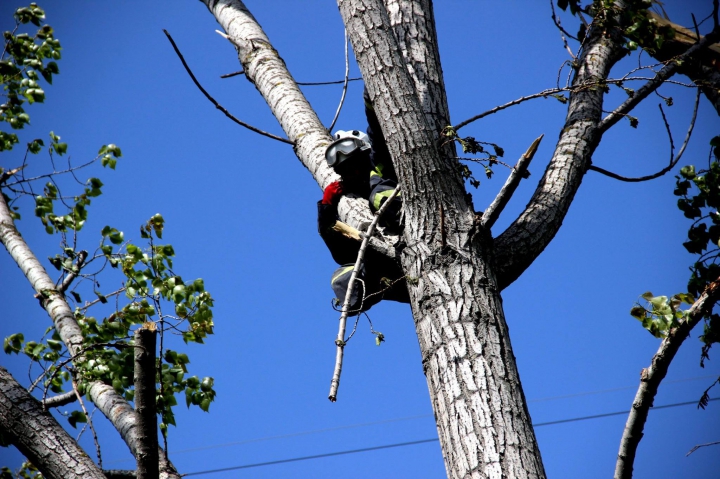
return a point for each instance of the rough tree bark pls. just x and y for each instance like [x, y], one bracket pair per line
[120, 413]
[455, 269]
[145, 391]
[39, 437]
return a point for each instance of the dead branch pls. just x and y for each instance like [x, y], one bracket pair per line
[695, 448]
[652, 376]
[340, 341]
[673, 159]
[492, 213]
[218, 105]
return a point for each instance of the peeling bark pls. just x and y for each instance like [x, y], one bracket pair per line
[39, 437]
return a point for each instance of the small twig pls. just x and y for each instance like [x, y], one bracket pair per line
[701, 445]
[109, 295]
[492, 213]
[544, 93]
[214, 102]
[673, 161]
[81, 257]
[563, 32]
[89, 422]
[119, 474]
[340, 341]
[345, 85]
[338, 82]
[233, 74]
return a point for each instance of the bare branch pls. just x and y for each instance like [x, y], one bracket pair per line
[652, 376]
[214, 102]
[321, 83]
[345, 85]
[89, 422]
[695, 448]
[340, 341]
[233, 74]
[673, 160]
[9, 173]
[542, 94]
[492, 213]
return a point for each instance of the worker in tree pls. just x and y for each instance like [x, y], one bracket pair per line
[363, 168]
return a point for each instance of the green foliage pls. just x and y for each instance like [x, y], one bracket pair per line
[25, 58]
[699, 193]
[474, 147]
[662, 313]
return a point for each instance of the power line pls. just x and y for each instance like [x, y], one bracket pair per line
[317, 456]
[407, 418]
[412, 443]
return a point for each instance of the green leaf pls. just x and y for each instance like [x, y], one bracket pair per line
[76, 417]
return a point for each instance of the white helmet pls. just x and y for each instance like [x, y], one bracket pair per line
[346, 144]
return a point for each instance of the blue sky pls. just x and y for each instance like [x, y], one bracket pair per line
[240, 212]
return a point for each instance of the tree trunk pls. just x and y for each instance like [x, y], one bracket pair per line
[39, 437]
[480, 409]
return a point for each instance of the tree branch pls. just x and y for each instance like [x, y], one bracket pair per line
[652, 376]
[218, 105]
[264, 67]
[39, 437]
[340, 341]
[703, 70]
[81, 257]
[673, 159]
[110, 403]
[666, 72]
[518, 246]
[60, 400]
[492, 213]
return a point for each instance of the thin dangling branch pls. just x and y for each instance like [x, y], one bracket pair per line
[340, 341]
[345, 85]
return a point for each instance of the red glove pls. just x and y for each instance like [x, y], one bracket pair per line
[332, 193]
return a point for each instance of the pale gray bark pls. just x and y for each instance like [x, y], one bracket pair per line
[264, 67]
[652, 376]
[480, 409]
[39, 437]
[109, 402]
